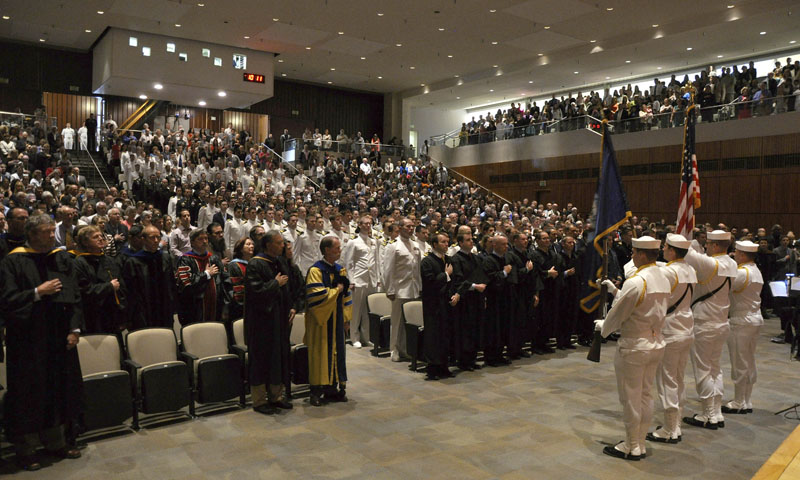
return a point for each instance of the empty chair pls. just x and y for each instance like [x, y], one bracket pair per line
[380, 316]
[415, 330]
[107, 394]
[216, 373]
[299, 351]
[162, 381]
[239, 347]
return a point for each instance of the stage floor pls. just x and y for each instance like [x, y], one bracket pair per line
[544, 417]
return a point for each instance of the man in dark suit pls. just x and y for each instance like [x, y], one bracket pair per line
[116, 229]
[435, 272]
[91, 127]
[223, 215]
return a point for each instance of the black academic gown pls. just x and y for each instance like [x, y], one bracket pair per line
[200, 299]
[546, 315]
[236, 271]
[569, 300]
[468, 313]
[435, 311]
[528, 285]
[103, 308]
[498, 307]
[44, 380]
[151, 289]
[266, 321]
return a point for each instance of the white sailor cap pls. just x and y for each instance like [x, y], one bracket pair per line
[746, 246]
[646, 243]
[678, 241]
[719, 235]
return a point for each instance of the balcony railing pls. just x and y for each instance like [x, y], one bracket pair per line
[735, 110]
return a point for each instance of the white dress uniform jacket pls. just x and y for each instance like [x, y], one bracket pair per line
[746, 321]
[235, 230]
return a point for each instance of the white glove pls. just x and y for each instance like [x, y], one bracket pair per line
[612, 289]
[598, 325]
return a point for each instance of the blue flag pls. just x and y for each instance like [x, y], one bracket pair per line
[609, 211]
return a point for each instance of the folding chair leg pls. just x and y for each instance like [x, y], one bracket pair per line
[191, 403]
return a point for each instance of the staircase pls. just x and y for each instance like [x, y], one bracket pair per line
[88, 170]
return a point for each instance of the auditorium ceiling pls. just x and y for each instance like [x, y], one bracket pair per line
[461, 52]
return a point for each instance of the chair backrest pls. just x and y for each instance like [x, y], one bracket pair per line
[380, 304]
[149, 346]
[238, 332]
[205, 339]
[99, 353]
[412, 311]
[298, 329]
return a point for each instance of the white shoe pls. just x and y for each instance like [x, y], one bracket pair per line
[395, 356]
[356, 344]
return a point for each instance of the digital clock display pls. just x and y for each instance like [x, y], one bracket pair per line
[253, 77]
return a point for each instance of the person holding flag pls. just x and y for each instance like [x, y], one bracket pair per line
[638, 313]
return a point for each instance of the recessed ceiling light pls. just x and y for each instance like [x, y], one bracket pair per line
[341, 33]
[456, 76]
[492, 10]
[412, 68]
[333, 69]
[541, 54]
[379, 77]
[719, 56]
[41, 40]
[491, 90]
[608, 78]
[576, 73]
[280, 60]
[6, 17]
[308, 48]
[158, 86]
[178, 25]
[202, 103]
[363, 58]
[547, 27]
[421, 84]
[143, 97]
[283, 74]
[659, 68]
[731, 6]
[398, 44]
[655, 25]
[275, 19]
[201, 4]
[610, 9]
[530, 81]
[247, 37]
[100, 12]
[688, 49]
[592, 41]
[441, 29]
[88, 31]
[762, 33]
[221, 93]
[793, 42]
[330, 83]
[494, 43]
[449, 56]
[627, 61]
[380, 14]
[494, 66]
[458, 98]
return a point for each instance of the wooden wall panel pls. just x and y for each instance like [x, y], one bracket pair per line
[120, 108]
[781, 144]
[741, 147]
[74, 109]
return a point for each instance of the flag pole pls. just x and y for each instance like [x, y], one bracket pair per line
[597, 339]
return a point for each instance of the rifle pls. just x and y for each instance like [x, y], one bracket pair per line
[597, 341]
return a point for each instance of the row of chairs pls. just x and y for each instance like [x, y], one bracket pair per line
[380, 315]
[149, 372]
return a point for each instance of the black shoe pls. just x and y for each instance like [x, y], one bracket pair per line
[736, 411]
[315, 401]
[538, 351]
[66, 452]
[585, 343]
[338, 397]
[653, 438]
[778, 340]
[698, 423]
[613, 452]
[446, 373]
[28, 462]
[548, 350]
[504, 361]
[524, 354]
[430, 377]
[570, 347]
[283, 404]
[721, 424]
[265, 409]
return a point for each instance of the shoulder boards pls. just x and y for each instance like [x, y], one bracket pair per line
[353, 236]
[300, 231]
[283, 230]
[325, 232]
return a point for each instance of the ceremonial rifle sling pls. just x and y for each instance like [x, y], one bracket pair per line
[675, 305]
[711, 294]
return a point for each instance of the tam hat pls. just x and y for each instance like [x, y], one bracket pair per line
[646, 243]
[678, 241]
[747, 246]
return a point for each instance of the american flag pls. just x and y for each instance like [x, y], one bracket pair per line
[689, 199]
